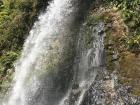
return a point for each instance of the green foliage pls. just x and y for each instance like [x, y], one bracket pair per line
[7, 69]
[26, 6]
[7, 60]
[130, 12]
[134, 43]
[131, 16]
[16, 19]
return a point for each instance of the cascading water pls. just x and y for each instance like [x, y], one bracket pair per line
[50, 26]
[48, 58]
[88, 62]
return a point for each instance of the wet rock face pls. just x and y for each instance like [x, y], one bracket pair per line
[88, 62]
[75, 94]
[106, 91]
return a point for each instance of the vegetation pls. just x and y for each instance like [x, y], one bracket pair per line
[87, 30]
[16, 19]
[125, 40]
[130, 10]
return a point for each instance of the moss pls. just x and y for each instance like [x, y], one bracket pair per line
[88, 30]
[6, 69]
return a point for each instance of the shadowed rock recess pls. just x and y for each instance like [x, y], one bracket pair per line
[69, 52]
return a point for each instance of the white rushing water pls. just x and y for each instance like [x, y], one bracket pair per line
[49, 26]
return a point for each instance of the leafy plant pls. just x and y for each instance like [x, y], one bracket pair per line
[130, 10]
[7, 60]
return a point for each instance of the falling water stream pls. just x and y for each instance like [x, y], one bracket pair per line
[50, 25]
[88, 63]
[46, 39]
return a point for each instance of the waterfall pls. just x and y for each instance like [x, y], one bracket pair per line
[55, 67]
[50, 25]
[89, 61]
[63, 59]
